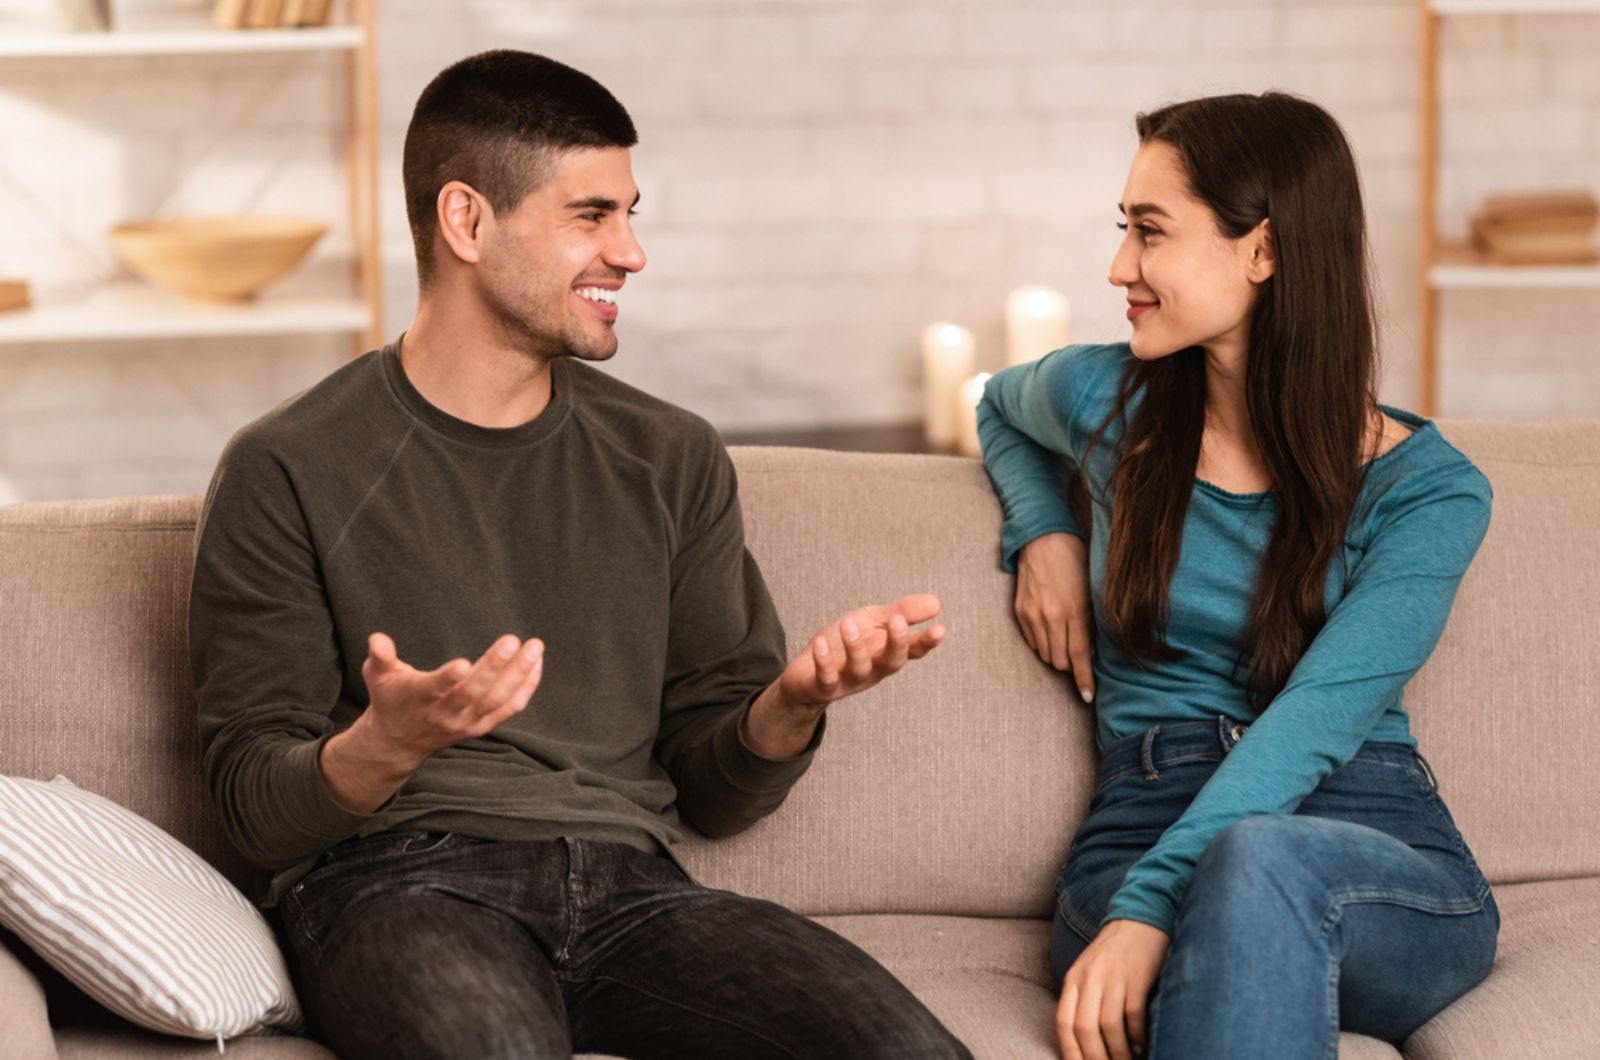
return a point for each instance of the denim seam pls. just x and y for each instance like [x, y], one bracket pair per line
[1074, 919]
[729, 1021]
[1404, 899]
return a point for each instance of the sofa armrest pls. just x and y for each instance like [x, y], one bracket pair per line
[24, 1020]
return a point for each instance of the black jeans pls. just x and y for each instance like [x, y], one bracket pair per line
[422, 944]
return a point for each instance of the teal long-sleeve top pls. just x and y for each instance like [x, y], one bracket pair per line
[1423, 511]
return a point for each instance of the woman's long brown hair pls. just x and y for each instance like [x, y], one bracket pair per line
[1309, 386]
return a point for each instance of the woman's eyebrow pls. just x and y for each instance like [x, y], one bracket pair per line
[1141, 208]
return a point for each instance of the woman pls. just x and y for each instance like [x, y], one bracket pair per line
[1272, 554]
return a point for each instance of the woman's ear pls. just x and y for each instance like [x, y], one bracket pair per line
[1261, 262]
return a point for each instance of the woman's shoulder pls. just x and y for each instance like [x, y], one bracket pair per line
[1423, 470]
[1082, 378]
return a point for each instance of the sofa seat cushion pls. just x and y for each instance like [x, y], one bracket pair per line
[1538, 1002]
[989, 980]
[127, 1042]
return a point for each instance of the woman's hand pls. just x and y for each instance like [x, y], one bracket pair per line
[1104, 996]
[1053, 605]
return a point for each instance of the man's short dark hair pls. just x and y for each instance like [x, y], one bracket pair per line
[494, 121]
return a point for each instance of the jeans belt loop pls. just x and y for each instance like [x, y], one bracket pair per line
[1433, 781]
[1146, 761]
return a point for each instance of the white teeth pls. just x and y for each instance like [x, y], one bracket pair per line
[598, 294]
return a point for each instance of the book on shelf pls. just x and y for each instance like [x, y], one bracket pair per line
[293, 14]
[229, 14]
[1566, 204]
[316, 12]
[263, 14]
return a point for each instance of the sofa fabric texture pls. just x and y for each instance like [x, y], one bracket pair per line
[934, 819]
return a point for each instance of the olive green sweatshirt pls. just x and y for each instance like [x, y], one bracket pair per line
[608, 526]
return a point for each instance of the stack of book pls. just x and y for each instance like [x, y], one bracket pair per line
[1537, 228]
[270, 14]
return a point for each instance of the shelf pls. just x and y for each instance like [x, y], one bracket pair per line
[187, 38]
[1514, 7]
[135, 310]
[1454, 269]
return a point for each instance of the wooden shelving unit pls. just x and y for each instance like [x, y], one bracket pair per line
[1446, 266]
[351, 302]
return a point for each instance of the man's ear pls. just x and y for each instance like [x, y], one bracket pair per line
[1263, 262]
[464, 219]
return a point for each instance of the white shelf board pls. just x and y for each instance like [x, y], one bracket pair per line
[1514, 7]
[134, 310]
[191, 39]
[1460, 277]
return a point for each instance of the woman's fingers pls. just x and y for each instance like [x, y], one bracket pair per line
[1066, 1012]
[1081, 656]
[1057, 630]
[1086, 1022]
[1113, 1027]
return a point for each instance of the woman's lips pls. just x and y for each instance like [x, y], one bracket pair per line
[1139, 308]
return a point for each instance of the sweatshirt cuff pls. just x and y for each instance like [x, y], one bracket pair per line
[1154, 910]
[753, 773]
[313, 807]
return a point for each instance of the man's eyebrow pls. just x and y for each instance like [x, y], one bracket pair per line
[599, 202]
[1140, 208]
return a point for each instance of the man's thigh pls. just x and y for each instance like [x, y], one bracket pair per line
[688, 971]
[424, 974]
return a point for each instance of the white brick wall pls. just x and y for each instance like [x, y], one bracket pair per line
[820, 177]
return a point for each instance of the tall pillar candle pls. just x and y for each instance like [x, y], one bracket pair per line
[947, 359]
[967, 415]
[1036, 323]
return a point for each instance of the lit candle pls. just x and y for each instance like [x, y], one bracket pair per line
[947, 357]
[967, 415]
[1036, 323]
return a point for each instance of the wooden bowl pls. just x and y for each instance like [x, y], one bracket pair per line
[215, 259]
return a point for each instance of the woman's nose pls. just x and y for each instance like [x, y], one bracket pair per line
[1124, 267]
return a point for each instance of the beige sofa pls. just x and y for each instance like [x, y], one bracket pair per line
[934, 819]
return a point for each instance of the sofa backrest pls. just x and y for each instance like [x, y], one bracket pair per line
[953, 788]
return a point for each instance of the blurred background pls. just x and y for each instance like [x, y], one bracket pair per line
[821, 179]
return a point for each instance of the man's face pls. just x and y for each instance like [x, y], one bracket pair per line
[555, 265]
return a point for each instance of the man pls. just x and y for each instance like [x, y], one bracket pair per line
[470, 857]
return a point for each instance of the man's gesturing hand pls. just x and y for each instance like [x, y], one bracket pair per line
[847, 656]
[412, 714]
[419, 712]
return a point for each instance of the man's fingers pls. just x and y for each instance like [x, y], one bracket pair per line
[518, 699]
[827, 666]
[449, 675]
[487, 670]
[898, 647]
[926, 641]
[918, 607]
[380, 651]
[511, 678]
[858, 660]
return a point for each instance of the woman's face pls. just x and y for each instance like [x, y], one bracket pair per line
[1200, 285]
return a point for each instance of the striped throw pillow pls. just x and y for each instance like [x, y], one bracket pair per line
[136, 919]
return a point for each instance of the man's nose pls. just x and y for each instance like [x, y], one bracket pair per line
[624, 252]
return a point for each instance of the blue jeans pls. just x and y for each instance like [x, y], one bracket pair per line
[421, 944]
[1363, 910]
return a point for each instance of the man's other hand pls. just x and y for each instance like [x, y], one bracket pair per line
[412, 714]
[849, 655]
